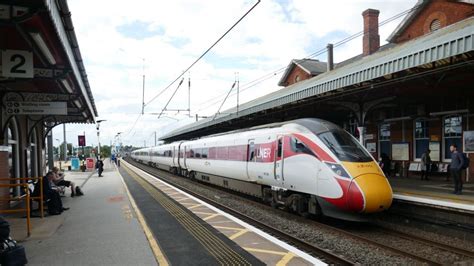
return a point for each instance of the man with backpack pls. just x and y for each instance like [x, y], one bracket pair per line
[458, 163]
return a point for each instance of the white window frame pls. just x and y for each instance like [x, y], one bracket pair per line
[443, 144]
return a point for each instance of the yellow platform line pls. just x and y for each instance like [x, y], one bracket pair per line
[266, 251]
[229, 228]
[155, 247]
[211, 216]
[434, 196]
[194, 206]
[223, 253]
[284, 261]
[242, 232]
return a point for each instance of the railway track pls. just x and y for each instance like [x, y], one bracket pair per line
[322, 254]
[310, 248]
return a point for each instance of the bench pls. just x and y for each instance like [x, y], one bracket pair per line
[439, 168]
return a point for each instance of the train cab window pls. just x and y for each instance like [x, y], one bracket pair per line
[344, 146]
[299, 147]
[204, 153]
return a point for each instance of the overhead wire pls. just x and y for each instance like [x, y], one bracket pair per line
[202, 55]
[311, 56]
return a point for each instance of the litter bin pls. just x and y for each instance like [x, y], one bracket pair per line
[69, 168]
[83, 168]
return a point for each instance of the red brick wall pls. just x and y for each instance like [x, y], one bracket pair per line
[447, 12]
[297, 71]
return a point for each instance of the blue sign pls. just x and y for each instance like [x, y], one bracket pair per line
[75, 163]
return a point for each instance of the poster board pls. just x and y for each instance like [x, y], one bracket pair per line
[435, 148]
[401, 151]
[371, 147]
[468, 142]
[75, 164]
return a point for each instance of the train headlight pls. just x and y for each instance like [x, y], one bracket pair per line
[338, 170]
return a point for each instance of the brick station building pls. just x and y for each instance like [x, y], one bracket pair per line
[433, 112]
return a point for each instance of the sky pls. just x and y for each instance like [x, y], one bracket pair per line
[122, 41]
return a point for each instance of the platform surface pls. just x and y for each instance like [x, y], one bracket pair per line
[220, 234]
[99, 229]
[436, 191]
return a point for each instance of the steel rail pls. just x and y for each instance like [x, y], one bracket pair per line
[355, 236]
[426, 241]
[320, 253]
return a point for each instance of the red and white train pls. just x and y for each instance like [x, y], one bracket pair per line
[310, 166]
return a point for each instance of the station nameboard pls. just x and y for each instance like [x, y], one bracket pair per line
[36, 108]
[17, 64]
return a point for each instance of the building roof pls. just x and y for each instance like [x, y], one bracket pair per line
[61, 18]
[455, 39]
[310, 66]
[412, 15]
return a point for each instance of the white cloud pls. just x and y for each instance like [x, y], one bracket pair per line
[267, 39]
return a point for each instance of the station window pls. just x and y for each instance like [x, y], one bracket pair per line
[435, 25]
[422, 139]
[452, 134]
[384, 140]
[13, 155]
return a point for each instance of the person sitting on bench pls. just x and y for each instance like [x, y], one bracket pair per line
[60, 181]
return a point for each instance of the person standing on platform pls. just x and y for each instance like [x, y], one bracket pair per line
[100, 166]
[385, 164]
[457, 161]
[425, 165]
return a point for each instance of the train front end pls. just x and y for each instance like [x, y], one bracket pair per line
[363, 187]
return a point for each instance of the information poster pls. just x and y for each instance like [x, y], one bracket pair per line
[74, 163]
[468, 141]
[435, 151]
[371, 147]
[400, 151]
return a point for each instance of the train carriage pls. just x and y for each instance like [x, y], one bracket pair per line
[310, 166]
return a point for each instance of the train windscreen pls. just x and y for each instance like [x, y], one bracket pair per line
[344, 146]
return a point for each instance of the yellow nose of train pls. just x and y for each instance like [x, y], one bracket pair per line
[369, 190]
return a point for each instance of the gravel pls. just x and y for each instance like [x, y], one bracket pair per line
[354, 250]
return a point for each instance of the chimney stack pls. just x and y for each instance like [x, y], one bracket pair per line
[371, 39]
[330, 57]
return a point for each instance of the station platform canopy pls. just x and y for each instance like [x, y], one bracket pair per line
[448, 49]
[42, 75]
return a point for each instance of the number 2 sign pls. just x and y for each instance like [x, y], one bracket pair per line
[17, 64]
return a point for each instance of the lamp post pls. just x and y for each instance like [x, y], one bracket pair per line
[98, 135]
[59, 152]
[117, 140]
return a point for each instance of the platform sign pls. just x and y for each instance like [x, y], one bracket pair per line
[81, 140]
[75, 163]
[90, 163]
[17, 64]
[36, 108]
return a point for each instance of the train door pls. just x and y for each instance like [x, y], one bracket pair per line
[180, 155]
[278, 165]
[250, 158]
[185, 155]
[174, 156]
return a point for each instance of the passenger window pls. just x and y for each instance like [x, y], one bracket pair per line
[197, 153]
[205, 152]
[191, 153]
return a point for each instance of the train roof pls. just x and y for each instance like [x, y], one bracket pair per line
[315, 125]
